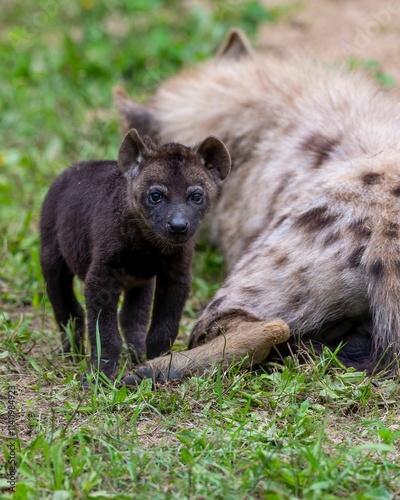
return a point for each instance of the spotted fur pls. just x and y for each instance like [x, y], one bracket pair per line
[308, 220]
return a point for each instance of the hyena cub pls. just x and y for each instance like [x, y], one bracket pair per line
[123, 226]
[309, 219]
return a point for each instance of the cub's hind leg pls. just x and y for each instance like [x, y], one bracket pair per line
[67, 310]
[134, 319]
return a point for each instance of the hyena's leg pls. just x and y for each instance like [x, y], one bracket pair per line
[67, 309]
[134, 319]
[238, 338]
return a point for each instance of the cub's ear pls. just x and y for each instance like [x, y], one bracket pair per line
[235, 46]
[215, 157]
[131, 153]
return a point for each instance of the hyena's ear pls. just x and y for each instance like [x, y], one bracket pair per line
[131, 153]
[133, 114]
[235, 46]
[215, 157]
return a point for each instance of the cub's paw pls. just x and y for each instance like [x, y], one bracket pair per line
[101, 372]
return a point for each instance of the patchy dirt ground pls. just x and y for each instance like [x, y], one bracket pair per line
[339, 29]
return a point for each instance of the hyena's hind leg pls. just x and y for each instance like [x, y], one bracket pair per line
[353, 351]
[67, 310]
[233, 338]
[134, 319]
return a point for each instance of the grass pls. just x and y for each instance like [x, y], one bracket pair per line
[293, 431]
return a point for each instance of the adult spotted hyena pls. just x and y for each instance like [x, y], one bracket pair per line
[309, 219]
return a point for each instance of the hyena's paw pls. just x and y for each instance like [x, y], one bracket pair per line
[150, 370]
[250, 341]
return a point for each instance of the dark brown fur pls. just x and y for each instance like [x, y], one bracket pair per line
[123, 227]
[321, 148]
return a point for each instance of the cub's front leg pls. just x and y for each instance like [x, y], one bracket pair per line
[134, 318]
[172, 289]
[102, 291]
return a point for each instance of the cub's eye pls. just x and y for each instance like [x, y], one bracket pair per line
[197, 198]
[155, 197]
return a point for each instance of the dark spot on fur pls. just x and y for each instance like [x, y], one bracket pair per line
[274, 198]
[299, 276]
[297, 300]
[241, 148]
[281, 261]
[254, 291]
[331, 238]
[377, 269]
[250, 239]
[214, 327]
[391, 230]
[280, 220]
[371, 178]
[397, 267]
[316, 219]
[215, 303]
[321, 147]
[356, 256]
[201, 339]
[396, 191]
[360, 228]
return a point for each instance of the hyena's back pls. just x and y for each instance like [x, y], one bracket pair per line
[309, 219]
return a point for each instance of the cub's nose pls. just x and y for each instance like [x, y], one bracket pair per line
[177, 225]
